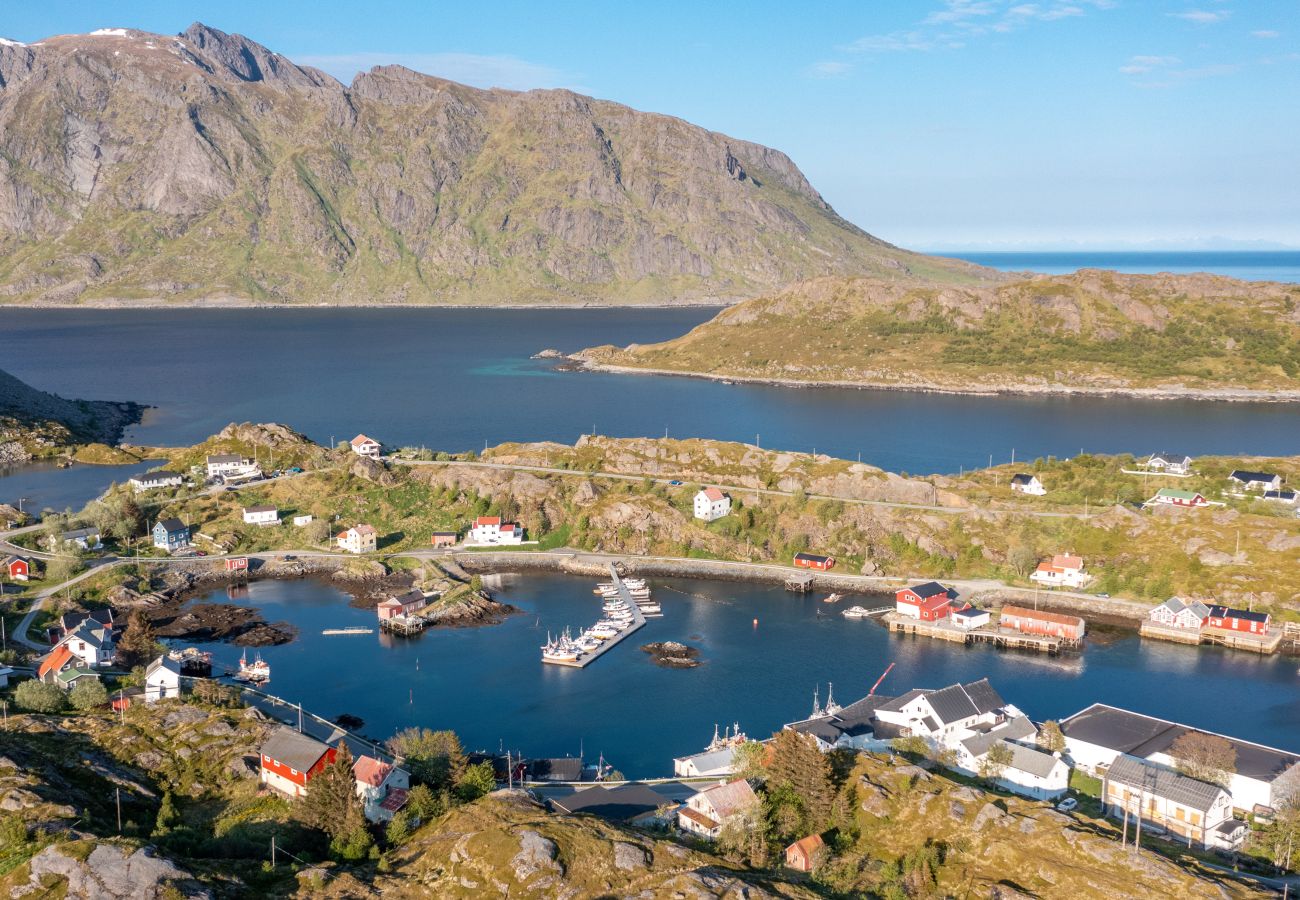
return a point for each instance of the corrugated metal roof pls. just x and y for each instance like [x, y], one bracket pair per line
[1173, 786]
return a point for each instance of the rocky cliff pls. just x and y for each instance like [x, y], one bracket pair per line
[205, 167]
[36, 423]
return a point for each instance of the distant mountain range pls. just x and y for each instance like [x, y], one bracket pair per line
[1190, 245]
[204, 167]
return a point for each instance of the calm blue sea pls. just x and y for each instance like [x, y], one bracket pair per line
[1249, 265]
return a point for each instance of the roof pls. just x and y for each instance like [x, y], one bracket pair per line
[957, 702]
[1166, 456]
[1140, 735]
[487, 520]
[165, 663]
[711, 759]
[1022, 478]
[59, 657]
[172, 525]
[70, 620]
[808, 846]
[263, 508]
[91, 632]
[79, 533]
[1067, 561]
[395, 800]
[713, 494]
[363, 529]
[1177, 494]
[617, 804]
[1279, 495]
[731, 798]
[1247, 477]
[292, 749]
[897, 703]
[1246, 615]
[1015, 729]
[811, 557]
[1153, 779]
[446, 534]
[225, 458]
[1027, 759]
[1043, 615]
[930, 589]
[11, 560]
[67, 676]
[698, 817]
[156, 475]
[568, 768]
[969, 612]
[1177, 604]
[371, 771]
[362, 439]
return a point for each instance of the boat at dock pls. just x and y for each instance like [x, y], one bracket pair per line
[856, 612]
[256, 672]
[832, 598]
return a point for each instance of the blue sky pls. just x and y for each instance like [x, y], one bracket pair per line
[932, 124]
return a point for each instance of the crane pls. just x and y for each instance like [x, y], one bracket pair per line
[880, 679]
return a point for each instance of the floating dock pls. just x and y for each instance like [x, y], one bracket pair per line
[638, 619]
[998, 637]
[1222, 637]
[351, 630]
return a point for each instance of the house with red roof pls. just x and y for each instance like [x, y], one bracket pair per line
[56, 661]
[290, 759]
[381, 786]
[364, 446]
[706, 812]
[712, 503]
[803, 854]
[1062, 570]
[359, 539]
[491, 530]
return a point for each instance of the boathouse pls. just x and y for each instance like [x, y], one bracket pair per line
[1230, 619]
[1044, 622]
[1176, 612]
[970, 618]
[444, 539]
[290, 760]
[17, 568]
[394, 607]
[814, 561]
[928, 602]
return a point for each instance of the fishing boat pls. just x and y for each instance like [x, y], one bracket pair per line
[832, 598]
[856, 612]
[256, 672]
[650, 609]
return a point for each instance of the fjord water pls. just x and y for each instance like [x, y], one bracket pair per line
[489, 683]
[1249, 265]
[456, 379]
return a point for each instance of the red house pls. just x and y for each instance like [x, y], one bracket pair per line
[928, 602]
[17, 568]
[1238, 620]
[1040, 621]
[802, 854]
[411, 602]
[291, 759]
[444, 539]
[813, 561]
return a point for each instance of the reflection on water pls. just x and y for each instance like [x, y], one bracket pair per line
[43, 485]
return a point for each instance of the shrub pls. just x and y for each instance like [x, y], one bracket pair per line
[36, 696]
[88, 695]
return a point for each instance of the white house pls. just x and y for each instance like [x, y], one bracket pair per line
[1184, 808]
[381, 786]
[1100, 734]
[491, 530]
[359, 539]
[162, 679]
[970, 618]
[83, 538]
[1062, 570]
[91, 643]
[1027, 484]
[711, 503]
[229, 465]
[706, 812]
[708, 764]
[364, 446]
[261, 515]
[150, 481]
[1179, 613]
[949, 715]
[300, 521]
[1034, 773]
[1170, 463]
[836, 727]
[1256, 481]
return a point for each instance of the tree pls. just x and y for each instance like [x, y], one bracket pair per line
[1050, 737]
[318, 531]
[800, 765]
[331, 803]
[137, 645]
[37, 696]
[1206, 757]
[912, 745]
[88, 694]
[743, 837]
[747, 760]
[995, 762]
[475, 781]
[423, 804]
[167, 816]
[433, 757]
[1022, 558]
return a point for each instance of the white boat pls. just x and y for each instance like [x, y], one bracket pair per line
[649, 608]
[832, 598]
[856, 612]
[256, 672]
[563, 653]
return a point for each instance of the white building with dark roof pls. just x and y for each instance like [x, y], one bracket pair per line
[162, 679]
[948, 715]
[1100, 734]
[1176, 612]
[1255, 481]
[1023, 483]
[1195, 811]
[1170, 463]
[150, 481]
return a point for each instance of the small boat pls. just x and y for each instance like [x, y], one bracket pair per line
[832, 598]
[650, 609]
[256, 672]
[856, 612]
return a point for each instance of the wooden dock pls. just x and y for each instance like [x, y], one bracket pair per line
[1005, 638]
[1222, 637]
[638, 620]
[404, 625]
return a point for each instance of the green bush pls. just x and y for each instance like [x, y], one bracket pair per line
[88, 694]
[36, 696]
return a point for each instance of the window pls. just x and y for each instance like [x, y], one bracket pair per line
[293, 771]
[1196, 818]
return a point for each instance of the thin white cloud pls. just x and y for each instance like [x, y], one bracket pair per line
[479, 70]
[1266, 34]
[956, 22]
[830, 68]
[1139, 65]
[1202, 16]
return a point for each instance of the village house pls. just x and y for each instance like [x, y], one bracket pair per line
[162, 679]
[444, 539]
[814, 561]
[69, 621]
[1034, 773]
[1256, 481]
[1027, 484]
[1170, 463]
[1062, 570]
[18, 568]
[1179, 613]
[367, 447]
[290, 760]
[490, 530]
[5, 672]
[261, 515]
[945, 716]
[805, 853]
[151, 481]
[836, 727]
[1198, 812]
[407, 604]
[1186, 499]
[171, 535]
[928, 602]
[707, 811]
[91, 643]
[83, 538]
[381, 786]
[359, 539]
[1042, 622]
[300, 521]
[55, 661]
[1098, 735]
[969, 618]
[711, 503]
[1230, 619]
[229, 465]
[1287, 497]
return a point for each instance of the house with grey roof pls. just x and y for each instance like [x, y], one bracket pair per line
[850, 727]
[945, 716]
[706, 812]
[1182, 807]
[1176, 612]
[162, 679]
[151, 481]
[1170, 463]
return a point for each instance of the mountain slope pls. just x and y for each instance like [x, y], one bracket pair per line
[204, 166]
[1091, 332]
[35, 422]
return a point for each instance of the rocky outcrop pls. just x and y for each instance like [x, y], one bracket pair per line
[123, 152]
[33, 422]
[114, 873]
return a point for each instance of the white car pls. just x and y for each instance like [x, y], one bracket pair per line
[1067, 805]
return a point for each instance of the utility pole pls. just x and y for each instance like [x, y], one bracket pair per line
[300, 717]
[1013, 456]
[119, 810]
[272, 851]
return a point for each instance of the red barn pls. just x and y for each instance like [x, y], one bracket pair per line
[1238, 620]
[18, 568]
[1038, 621]
[291, 759]
[928, 602]
[813, 561]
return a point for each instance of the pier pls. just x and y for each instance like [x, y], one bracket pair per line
[638, 620]
[1222, 637]
[403, 625]
[1005, 638]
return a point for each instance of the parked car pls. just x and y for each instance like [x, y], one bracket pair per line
[1067, 805]
[295, 470]
[675, 483]
[1104, 596]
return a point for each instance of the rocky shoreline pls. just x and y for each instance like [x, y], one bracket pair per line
[672, 655]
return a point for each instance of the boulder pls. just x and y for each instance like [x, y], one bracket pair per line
[536, 854]
[630, 856]
[112, 873]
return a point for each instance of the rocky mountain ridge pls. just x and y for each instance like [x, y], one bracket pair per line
[204, 167]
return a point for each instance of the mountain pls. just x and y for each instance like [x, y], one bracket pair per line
[205, 167]
[34, 423]
[1090, 332]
